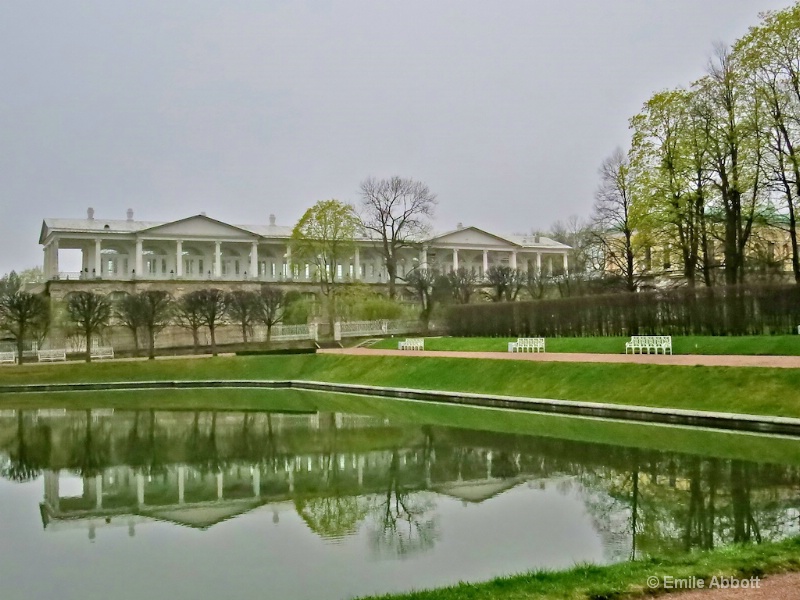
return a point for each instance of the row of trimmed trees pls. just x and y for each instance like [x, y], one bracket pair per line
[25, 316]
[149, 312]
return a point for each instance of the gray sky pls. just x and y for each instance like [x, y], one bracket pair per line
[241, 109]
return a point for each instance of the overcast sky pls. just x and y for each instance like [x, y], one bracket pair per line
[246, 108]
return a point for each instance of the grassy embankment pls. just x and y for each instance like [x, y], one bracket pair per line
[725, 389]
[761, 345]
[625, 580]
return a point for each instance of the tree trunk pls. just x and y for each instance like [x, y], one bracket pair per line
[151, 344]
[244, 333]
[195, 340]
[88, 335]
[391, 270]
[20, 346]
[212, 332]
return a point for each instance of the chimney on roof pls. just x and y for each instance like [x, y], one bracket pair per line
[130, 214]
[460, 226]
[90, 213]
[203, 214]
[536, 239]
[272, 219]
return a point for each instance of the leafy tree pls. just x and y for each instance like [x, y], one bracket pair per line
[462, 283]
[129, 312]
[189, 315]
[244, 308]
[10, 284]
[535, 283]
[504, 283]
[771, 53]
[324, 237]
[32, 275]
[398, 211]
[736, 155]
[90, 314]
[271, 306]
[24, 316]
[157, 309]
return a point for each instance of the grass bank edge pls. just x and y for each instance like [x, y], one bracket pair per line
[624, 580]
[756, 391]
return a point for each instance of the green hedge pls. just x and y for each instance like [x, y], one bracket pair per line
[733, 310]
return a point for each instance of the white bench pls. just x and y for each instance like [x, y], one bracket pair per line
[101, 352]
[8, 357]
[412, 344]
[649, 342]
[52, 355]
[527, 345]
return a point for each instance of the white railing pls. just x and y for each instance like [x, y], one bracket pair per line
[362, 328]
[286, 333]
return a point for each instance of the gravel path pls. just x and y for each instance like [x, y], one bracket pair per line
[776, 587]
[783, 362]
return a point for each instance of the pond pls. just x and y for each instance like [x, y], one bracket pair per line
[122, 500]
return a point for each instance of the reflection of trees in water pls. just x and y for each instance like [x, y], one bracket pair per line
[29, 452]
[641, 501]
[403, 520]
[145, 451]
[90, 453]
[202, 450]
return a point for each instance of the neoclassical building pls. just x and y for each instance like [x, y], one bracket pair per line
[200, 248]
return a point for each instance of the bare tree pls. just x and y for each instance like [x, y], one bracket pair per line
[90, 313]
[128, 311]
[614, 214]
[462, 283]
[157, 309]
[426, 285]
[243, 307]
[504, 282]
[189, 315]
[272, 301]
[23, 315]
[398, 211]
[212, 307]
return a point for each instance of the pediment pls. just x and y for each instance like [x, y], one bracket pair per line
[471, 236]
[200, 226]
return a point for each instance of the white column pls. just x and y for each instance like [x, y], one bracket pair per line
[179, 258]
[549, 265]
[357, 264]
[181, 479]
[254, 261]
[219, 486]
[54, 257]
[485, 262]
[455, 259]
[218, 259]
[566, 264]
[288, 262]
[139, 259]
[98, 259]
[256, 481]
[46, 265]
[513, 259]
[538, 263]
[423, 258]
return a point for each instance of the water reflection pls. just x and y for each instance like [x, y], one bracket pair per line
[347, 475]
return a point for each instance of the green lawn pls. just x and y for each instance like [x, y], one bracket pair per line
[625, 580]
[725, 389]
[762, 345]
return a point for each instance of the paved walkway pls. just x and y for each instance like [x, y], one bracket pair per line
[783, 362]
[775, 587]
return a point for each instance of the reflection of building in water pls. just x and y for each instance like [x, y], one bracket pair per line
[338, 472]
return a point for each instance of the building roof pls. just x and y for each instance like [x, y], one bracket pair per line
[271, 230]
